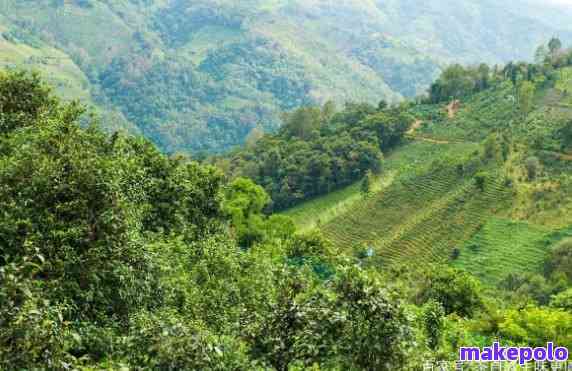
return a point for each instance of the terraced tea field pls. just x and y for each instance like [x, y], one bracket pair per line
[402, 163]
[425, 210]
[423, 218]
[502, 246]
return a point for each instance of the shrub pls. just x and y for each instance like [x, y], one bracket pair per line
[532, 165]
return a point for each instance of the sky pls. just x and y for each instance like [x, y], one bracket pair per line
[556, 2]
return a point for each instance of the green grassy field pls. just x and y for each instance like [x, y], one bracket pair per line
[56, 67]
[502, 246]
[316, 212]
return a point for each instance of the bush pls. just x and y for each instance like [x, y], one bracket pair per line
[457, 291]
[532, 165]
[560, 259]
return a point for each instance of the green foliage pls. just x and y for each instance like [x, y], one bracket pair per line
[527, 288]
[526, 90]
[72, 195]
[457, 291]
[537, 326]
[350, 324]
[113, 255]
[433, 321]
[302, 123]
[554, 45]
[318, 151]
[562, 300]
[244, 202]
[23, 99]
[365, 186]
[481, 180]
[198, 76]
[456, 82]
[566, 133]
[165, 340]
[33, 329]
[502, 246]
[560, 260]
[532, 165]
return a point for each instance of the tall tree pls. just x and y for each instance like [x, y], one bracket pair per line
[540, 55]
[526, 91]
[365, 187]
[554, 46]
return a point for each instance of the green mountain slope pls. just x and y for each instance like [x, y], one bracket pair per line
[199, 76]
[461, 190]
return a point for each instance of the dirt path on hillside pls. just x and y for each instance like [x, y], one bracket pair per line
[430, 140]
[416, 125]
[453, 108]
[564, 156]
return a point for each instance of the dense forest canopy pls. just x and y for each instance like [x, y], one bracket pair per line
[318, 150]
[198, 76]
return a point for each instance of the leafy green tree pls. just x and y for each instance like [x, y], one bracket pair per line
[348, 144]
[532, 165]
[173, 343]
[455, 82]
[483, 77]
[527, 288]
[566, 133]
[481, 180]
[328, 111]
[382, 105]
[457, 291]
[560, 259]
[82, 214]
[562, 300]
[33, 331]
[526, 90]
[389, 128]
[253, 137]
[540, 55]
[352, 323]
[554, 46]
[244, 202]
[302, 122]
[68, 194]
[537, 326]
[433, 315]
[24, 97]
[365, 187]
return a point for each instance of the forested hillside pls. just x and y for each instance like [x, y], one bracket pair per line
[199, 76]
[455, 232]
[480, 181]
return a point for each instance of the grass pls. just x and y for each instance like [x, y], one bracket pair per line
[56, 67]
[402, 162]
[504, 246]
[478, 116]
[419, 210]
[321, 210]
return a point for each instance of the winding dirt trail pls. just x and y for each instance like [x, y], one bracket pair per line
[416, 125]
[453, 108]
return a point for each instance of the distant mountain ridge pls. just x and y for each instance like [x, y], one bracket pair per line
[200, 75]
